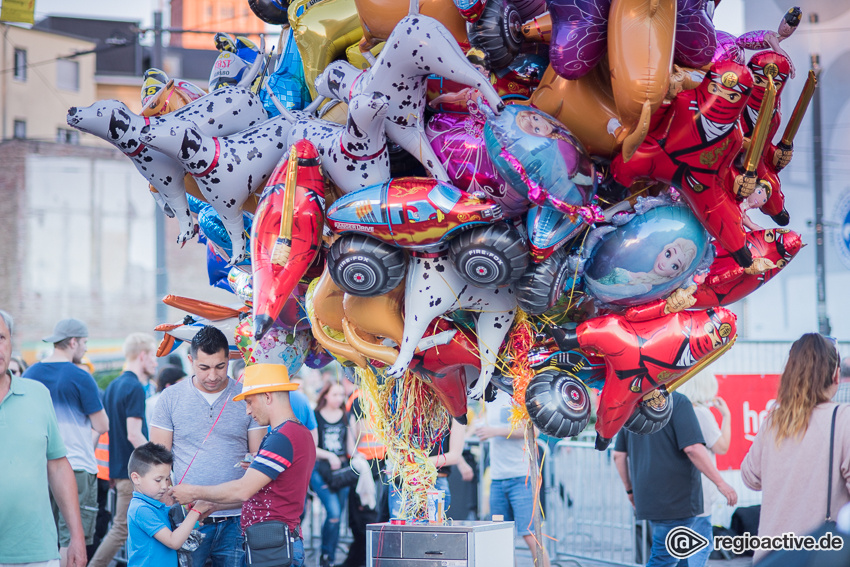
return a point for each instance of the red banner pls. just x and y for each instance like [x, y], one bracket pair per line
[749, 397]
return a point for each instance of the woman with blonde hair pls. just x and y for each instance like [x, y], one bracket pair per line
[790, 458]
[701, 390]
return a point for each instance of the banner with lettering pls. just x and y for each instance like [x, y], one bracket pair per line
[749, 397]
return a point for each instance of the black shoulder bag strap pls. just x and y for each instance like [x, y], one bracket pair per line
[831, 451]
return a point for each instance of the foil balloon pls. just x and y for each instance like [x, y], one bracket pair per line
[693, 142]
[357, 58]
[380, 17]
[216, 233]
[727, 282]
[202, 313]
[640, 55]
[403, 79]
[433, 288]
[270, 11]
[695, 37]
[217, 268]
[238, 62]
[458, 142]
[731, 48]
[646, 258]
[640, 356]
[280, 345]
[161, 95]
[241, 284]
[534, 153]
[548, 230]
[317, 357]
[323, 31]
[287, 81]
[579, 35]
[287, 232]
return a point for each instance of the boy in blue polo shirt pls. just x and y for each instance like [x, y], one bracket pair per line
[151, 541]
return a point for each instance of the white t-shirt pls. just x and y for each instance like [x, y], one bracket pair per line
[711, 433]
[507, 456]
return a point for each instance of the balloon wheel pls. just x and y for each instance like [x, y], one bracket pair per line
[541, 286]
[558, 403]
[490, 256]
[651, 414]
[364, 266]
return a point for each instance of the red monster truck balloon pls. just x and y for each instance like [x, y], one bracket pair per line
[286, 234]
[643, 355]
[692, 142]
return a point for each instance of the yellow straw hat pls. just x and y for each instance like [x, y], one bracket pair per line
[260, 378]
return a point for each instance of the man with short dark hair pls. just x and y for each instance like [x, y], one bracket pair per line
[661, 473]
[275, 486]
[125, 403]
[33, 467]
[842, 395]
[79, 412]
[208, 434]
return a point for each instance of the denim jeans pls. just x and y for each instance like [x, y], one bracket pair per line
[395, 496]
[702, 526]
[513, 499]
[222, 543]
[659, 556]
[298, 553]
[333, 502]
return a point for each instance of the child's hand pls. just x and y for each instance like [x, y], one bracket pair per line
[204, 508]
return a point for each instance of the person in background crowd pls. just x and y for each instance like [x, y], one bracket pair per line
[510, 495]
[168, 376]
[17, 366]
[701, 390]
[34, 467]
[125, 404]
[274, 488]
[79, 411]
[335, 444]
[842, 395]
[360, 514]
[661, 476]
[209, 433]
[789, 458]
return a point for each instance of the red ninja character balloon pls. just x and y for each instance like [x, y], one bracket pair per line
[279, 260]
[642, 355]
[693, 140]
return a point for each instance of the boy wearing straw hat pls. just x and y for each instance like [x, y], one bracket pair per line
[274, 487]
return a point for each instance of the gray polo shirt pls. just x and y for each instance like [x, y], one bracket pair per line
[189, 416]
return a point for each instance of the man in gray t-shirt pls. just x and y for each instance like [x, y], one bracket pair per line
[209, 434]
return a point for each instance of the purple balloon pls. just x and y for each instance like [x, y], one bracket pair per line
[727, 49]
[579, 35]
[695, 36]
[458, 141]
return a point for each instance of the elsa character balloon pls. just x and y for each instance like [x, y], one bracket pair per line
[674, 259]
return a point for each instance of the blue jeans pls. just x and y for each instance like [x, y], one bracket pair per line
[298, 553]
[333, 502]
[222, 543]
[395, 496]
[513, 499]
[658, 556]
[702, 526]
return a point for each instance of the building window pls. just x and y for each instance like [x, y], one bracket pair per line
[20, 129]
[20, 65]
[67, 136]
[208, 9]
[228, 13]
[68, 75]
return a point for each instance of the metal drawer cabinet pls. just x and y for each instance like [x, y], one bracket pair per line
[462, 544]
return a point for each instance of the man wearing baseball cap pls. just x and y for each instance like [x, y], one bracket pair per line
[78, 412]
[274, 487]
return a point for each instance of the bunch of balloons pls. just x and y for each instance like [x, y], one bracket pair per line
[482, 194]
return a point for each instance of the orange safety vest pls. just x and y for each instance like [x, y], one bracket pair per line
[101, 454]
[368, 445]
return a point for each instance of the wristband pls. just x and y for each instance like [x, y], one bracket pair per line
[195, 510]
[629, 491]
